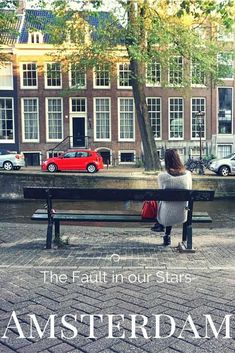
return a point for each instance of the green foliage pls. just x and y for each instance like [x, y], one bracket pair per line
[8, 20]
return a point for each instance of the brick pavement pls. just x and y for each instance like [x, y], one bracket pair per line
[143, 278]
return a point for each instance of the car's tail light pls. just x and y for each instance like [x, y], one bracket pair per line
[19, 156]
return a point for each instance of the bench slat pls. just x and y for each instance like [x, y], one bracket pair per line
[197, 218]
[117, 194]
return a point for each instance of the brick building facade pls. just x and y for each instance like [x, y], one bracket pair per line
[101, 114]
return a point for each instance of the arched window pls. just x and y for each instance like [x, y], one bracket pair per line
[35, 37]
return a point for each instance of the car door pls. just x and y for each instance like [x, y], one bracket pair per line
[232, 160]
[81, 160]
[68, 162]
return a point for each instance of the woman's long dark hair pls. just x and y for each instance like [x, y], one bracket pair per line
[173, 164]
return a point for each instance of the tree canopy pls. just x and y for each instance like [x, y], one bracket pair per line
[8, 27]
[145, 32]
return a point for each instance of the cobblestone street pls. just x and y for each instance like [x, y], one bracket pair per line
[107, 271]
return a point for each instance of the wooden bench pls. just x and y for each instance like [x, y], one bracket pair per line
[59, 193]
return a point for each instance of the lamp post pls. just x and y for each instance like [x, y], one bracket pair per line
[200, 118]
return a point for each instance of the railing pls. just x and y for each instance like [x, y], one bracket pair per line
[68, 143]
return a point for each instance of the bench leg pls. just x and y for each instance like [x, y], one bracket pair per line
[49, 235]
[184, 234]
[57, 231]
[189, 238]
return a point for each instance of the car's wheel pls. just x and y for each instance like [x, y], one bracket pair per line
[224, 170]
[91, 168]
[52, 167]
[7, 165]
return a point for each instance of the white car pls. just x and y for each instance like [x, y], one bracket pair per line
[223, 166]
[11, 160]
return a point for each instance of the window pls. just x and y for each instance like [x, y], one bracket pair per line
[53, 75]
[198, 123]
[225, 65]
[35, 37]
[153, 74]
[197, 74]
[102, 119]
[124, 75]
[30, 119]
[127, 157]
[83, 154]
[54, 119]
[225, 110]
[154, 111]
[77, 76]
[176, 70]
[224, 150]
[6, 120]
[29, 76]
[32, 158]
[70, 155]
[102, 76]
[78, 105]
[6, 76]
[126, 119]
[224, 35]
[176, 118]
[54, 154]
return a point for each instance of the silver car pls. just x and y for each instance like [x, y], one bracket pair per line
[11, 160]
[223, 166]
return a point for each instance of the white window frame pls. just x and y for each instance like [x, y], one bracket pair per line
[45, 76]
[169, 70]
[73, 114]
[223, 144]
[47, 125]
[22, 76]
[118, 75]
[160, 98]
[202, 85]
[169, 122]
[11, 87]
[119, 120]
[70, 79]
[232, 66]
[217, 111]
[110, 120]
[34, 35]
[223, 36]
[151, 83]
[33, 151]
[70, 106]
[13, 122]
[191, 119]
[98, 86]
[126, 151]
[23, 120]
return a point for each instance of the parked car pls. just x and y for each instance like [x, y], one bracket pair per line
[223, 166]
[11, 160]
[74, 160]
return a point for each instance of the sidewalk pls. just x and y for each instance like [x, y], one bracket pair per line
[152, 280]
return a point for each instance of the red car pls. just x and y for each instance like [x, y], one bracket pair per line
[75, 160]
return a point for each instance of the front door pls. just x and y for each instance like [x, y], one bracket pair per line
[78, 132]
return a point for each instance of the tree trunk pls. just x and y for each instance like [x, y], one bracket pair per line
[151, 159]
[137, 36]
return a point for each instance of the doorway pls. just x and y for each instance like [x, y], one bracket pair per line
[78, 132]
[106, 155]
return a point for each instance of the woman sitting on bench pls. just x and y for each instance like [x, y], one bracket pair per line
[175, 177]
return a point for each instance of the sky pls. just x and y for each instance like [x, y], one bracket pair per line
[109, 4]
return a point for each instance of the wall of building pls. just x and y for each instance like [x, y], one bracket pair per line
[12, 183]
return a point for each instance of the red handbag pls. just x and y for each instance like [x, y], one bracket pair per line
[149, 209]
